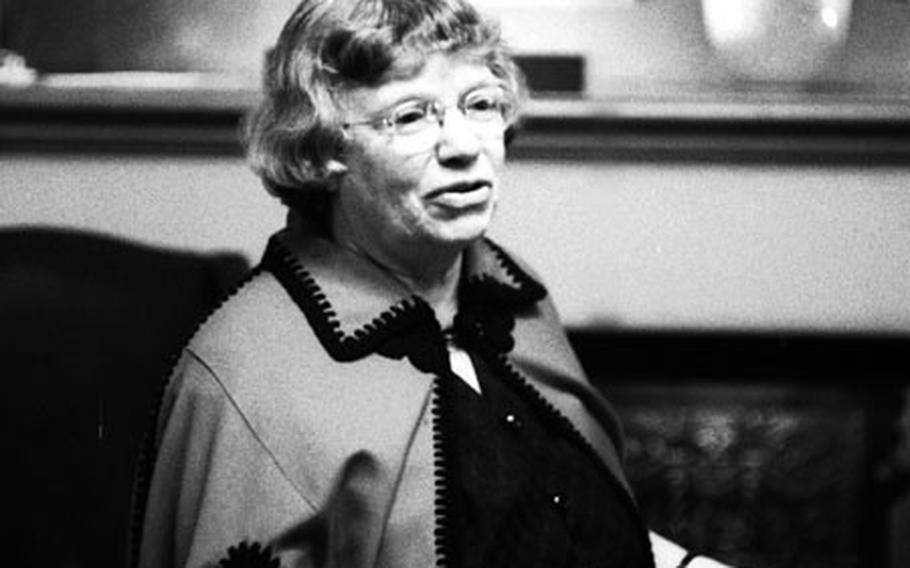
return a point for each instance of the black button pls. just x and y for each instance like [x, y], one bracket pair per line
[512, 422]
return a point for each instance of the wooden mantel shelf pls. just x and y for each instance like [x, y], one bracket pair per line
[193, 114]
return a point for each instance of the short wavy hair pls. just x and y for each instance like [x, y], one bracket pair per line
[328, 46]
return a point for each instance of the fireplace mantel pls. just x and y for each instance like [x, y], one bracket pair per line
[199, 114]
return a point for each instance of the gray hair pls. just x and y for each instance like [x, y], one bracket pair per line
[328, 46]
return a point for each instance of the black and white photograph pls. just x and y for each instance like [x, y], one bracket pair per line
[455, 283]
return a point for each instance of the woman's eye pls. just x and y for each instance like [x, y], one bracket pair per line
[408, 115]
[482, 103]
[485, 105]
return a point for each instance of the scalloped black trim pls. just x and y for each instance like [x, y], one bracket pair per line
[555, 419]
[487, 306]
[405, 329]
[148, 451]
[529, 290]
[447, 540]
[249, 555]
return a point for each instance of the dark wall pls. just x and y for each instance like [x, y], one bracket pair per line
[91, 35]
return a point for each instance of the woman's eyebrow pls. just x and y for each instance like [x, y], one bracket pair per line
[398, 99]
[484, 84]
[425, 93]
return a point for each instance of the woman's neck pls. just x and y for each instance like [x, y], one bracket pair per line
[440, 290]
[434, 276]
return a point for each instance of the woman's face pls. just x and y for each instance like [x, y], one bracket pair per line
[409, 196]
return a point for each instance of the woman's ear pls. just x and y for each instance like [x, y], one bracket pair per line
[335, 169]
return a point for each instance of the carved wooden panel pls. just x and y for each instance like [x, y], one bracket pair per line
[768, 477]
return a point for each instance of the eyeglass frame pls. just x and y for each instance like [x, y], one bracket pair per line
[434, 111]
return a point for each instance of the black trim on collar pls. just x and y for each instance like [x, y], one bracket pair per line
[404, 329]
[526, 291]
[495, 288]
[487, 306]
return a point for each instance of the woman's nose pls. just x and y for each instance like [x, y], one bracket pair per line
[458, 141]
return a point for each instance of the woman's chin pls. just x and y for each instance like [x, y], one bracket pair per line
[462, 230]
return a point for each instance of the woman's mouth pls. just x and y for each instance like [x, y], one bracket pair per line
[461, 195]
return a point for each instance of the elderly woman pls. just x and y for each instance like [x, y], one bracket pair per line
[389, 388]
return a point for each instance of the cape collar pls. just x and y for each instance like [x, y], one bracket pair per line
[357, 308]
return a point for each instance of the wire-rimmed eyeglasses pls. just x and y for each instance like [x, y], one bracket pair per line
[488, 111]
